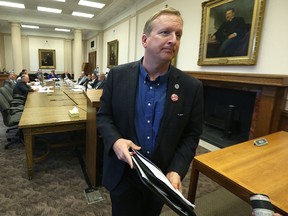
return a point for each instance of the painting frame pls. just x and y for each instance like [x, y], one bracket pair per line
[47, 58]
[112, 53]
[245, 51]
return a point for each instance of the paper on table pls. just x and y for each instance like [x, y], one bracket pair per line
[44, 89]
[77, 90]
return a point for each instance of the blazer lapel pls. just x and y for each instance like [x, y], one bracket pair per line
[131, 95]
[172, 101]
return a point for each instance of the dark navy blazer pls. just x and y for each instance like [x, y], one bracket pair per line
[179, 130]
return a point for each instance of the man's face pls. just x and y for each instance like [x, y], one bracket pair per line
[229, 15]
[163, 42]
[12, 76]
[102, 77]
[26, 79]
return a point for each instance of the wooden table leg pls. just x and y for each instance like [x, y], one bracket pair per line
[193, 182]
[29, 158]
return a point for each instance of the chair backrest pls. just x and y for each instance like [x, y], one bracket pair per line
[9, 88]
[5, 92]
[4, 109]
[9, 118]
[4, 104]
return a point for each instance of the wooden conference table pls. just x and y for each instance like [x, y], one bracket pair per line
[245, 169]
[48, 113]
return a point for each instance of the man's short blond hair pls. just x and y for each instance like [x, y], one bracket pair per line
[149, 23]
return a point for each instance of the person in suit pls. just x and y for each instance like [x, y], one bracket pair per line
[21, 87]
[23, 71]
[39, 76]
[229, 34]
[66, 76]
[101, 82]
[150, 106]
[83, 79]
[11, 80]
[93, 82]
[52, 75]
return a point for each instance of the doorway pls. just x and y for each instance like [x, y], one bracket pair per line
[92, 61]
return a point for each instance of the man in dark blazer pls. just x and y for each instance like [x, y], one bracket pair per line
[11, 80]
[93, 82]
[101, 82]
[230, 33]
[22, 88]
[153, 107]
[66, 76]
[83, 79]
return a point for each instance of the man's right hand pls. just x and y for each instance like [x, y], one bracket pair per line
[121, 148]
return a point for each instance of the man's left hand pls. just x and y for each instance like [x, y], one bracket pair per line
[175, 180]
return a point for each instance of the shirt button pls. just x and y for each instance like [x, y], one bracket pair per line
[148, 121]
[148, 137]
[151, 87]
[148, 152]
[149, 104]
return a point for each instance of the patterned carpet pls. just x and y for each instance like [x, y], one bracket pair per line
[57, 185]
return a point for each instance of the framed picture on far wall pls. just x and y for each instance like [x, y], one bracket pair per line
[47, 58]
[230, 32]
[112, 53]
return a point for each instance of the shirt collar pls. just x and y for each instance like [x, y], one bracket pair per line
[161, 79]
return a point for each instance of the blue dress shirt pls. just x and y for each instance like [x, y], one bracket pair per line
[150, 102]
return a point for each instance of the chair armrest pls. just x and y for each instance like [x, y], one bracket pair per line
[19, 97]
[14, 110]
[16, 102]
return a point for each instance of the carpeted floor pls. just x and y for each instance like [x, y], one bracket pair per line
[219, 203]
[57, 185]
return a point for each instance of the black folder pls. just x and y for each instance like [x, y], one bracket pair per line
[157, 182]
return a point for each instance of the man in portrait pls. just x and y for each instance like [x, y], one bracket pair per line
[112, 56]
[47, 59]
[229, 35]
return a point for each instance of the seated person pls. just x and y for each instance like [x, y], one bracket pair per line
[101, 82]
[22, 88]
[11, 80]
[24, 71]
[66, 76]
[39, 76]
[83, 79]
[93, 82]
[52, 75]
[229, 34]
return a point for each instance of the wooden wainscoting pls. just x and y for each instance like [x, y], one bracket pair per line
[271, 96]
[284, 121]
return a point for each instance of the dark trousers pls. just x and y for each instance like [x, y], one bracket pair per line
[131, 197]
[228, 47]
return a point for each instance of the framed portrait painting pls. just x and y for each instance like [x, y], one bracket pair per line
[112, 53]
[47, 58]
[230, 32]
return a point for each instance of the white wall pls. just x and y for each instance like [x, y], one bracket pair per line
[36, 43]
[120, 33]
